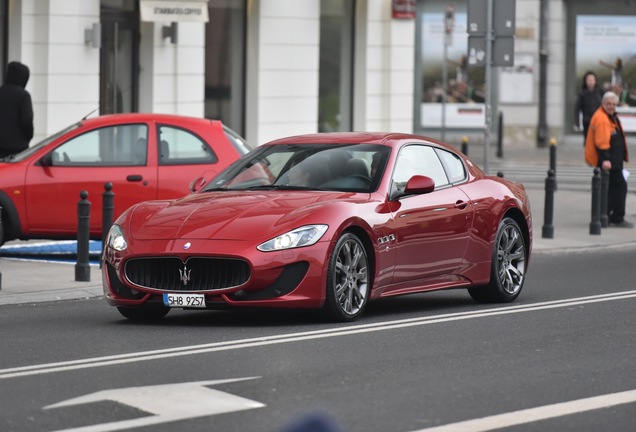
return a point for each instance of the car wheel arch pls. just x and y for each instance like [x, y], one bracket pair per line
[515, 214]
[10, 218]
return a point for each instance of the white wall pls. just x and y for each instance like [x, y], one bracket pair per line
[286, 58]
[176, 72]
[64, 83]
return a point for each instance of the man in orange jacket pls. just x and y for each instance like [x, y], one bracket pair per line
[606, 148]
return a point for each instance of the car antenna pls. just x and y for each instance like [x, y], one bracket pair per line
[108, 101]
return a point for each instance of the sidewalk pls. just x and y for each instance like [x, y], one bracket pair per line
[37, 281]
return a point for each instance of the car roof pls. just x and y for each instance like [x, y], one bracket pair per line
[145, 117]
[384, 138]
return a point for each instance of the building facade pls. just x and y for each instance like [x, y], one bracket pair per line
[270, 68]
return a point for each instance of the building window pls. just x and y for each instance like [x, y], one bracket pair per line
[225, 63]
[336, 65]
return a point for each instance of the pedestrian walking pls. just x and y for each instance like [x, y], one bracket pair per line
[16, 111]
[587, 102]
[606, 148]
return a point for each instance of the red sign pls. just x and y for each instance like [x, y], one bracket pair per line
[403, 9]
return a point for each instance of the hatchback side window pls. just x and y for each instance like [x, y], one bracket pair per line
[122, 145]
[179, 147]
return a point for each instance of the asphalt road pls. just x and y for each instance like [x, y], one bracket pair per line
[561, 358]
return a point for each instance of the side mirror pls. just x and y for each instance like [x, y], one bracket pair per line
[197, 184]
[47, 160]
[419, 185]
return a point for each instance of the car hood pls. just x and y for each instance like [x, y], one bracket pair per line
[235, 215]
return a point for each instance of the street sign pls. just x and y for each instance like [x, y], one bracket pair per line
[477, 17]
[503, 25]
[476, 50]
[503, 51]
[503, 17]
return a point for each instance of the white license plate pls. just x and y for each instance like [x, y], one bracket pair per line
[184, 300]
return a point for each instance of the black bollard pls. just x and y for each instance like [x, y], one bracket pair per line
[108, 211]
[604, 194]
[500, 135]
[595, 224]
[465, 145]
[553, 155]
[82, 267]
[548, 208]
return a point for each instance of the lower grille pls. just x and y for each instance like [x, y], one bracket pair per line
[196, 274]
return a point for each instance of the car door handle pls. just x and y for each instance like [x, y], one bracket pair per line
[461, 204]
[134, 178]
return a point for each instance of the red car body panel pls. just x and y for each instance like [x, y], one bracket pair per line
[40, 201]
[441, 239]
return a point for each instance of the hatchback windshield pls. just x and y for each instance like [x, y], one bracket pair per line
[352, 168]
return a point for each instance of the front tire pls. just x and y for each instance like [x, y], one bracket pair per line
[508, 267]
[147, 313]
[348, 280]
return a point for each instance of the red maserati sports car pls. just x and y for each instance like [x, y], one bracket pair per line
[144, 156]
[327, 221]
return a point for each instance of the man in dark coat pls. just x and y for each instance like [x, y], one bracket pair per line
[16, 111]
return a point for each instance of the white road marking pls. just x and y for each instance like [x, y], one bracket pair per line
[167, 403]
[530, 415]
[301, 336]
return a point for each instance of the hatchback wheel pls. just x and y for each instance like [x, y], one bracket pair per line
[508, 267]
[348, 279]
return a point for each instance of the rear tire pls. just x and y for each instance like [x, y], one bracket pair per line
[508, 267]
[148, 312]
[348, 280]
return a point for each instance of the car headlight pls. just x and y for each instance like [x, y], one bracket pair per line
[116, 239]
[299, 237]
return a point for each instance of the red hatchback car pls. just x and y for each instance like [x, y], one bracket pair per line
[144, 156]
[326, 221]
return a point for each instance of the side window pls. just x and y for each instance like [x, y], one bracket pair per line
[454, 166]
[178, 147]
[418, 160]
[121, 145]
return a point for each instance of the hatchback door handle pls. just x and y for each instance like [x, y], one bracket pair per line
[134, 178]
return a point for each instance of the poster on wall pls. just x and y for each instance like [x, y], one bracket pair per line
[465, 84]
[606, 45]
[516, 83]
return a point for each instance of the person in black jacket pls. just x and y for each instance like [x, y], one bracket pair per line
[16, 111]
[587, 103]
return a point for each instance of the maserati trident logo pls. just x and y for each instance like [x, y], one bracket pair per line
[184, 275]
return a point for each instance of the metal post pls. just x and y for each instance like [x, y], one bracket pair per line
[108, 210]
[444, 87]
[604, 194]
[489, 42]
[548, 209]
[553, 155]
[82, 267]
[465, 145]
[500, 135]
[595, 224]
[542, 127]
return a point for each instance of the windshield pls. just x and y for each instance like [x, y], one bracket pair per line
[347, 168]
[29, 151]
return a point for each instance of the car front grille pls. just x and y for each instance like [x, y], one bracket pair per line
[196, 274]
